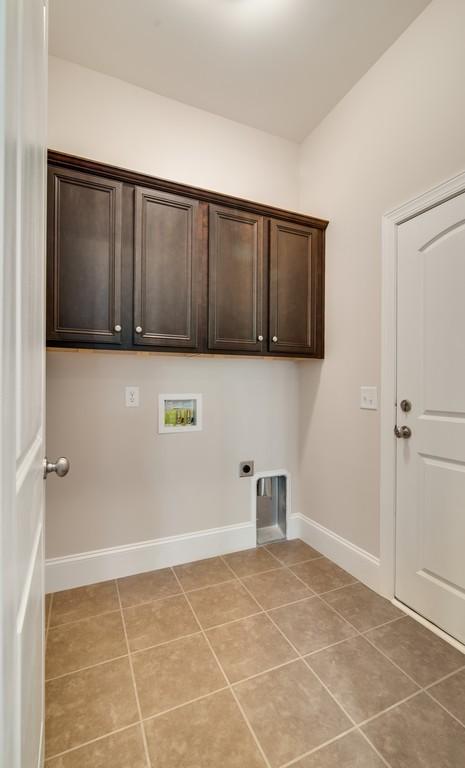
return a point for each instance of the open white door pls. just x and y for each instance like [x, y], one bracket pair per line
[430, 520]
[23, 105]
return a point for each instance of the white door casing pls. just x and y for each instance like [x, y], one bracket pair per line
[23, 94]
[430, 519]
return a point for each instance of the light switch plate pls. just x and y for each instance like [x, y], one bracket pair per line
[369, 398]
[132, 397]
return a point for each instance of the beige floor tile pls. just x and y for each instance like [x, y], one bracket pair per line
[83, 602]
[350, 751]
[290, 712]
[251, 561]
[83, 643]
[420, 653]
[311, 625]
[203, 573]
[322, 575]
[362, 607]
[85, 705]
[275, 588]
[210, 733]
[158, 622]
[144, 587]
[451, 693]
[363, 681]
[175, 673]
[223, 603]
[292, 552]
[418, 734]
[249, 646]
[124, 749]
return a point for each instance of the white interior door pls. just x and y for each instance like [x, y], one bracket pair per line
[430, 523]
[23, 78]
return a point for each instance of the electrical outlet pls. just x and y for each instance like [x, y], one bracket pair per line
[369, 398]
[132, 397]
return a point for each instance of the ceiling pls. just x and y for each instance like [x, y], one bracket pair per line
[277, 65]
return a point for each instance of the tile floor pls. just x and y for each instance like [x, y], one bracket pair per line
[267, 658]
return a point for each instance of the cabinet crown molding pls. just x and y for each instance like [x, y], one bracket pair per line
[116, 173]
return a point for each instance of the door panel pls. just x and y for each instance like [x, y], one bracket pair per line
[236, 279]
[22, 336]
[430, 571]
[166, 279]
[84, 259]
[293, 280]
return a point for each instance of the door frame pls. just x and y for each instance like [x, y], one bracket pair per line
[390, 223]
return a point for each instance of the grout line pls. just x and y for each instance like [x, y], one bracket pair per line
[229, 686]
[234, 621]
[92, 741]
[131, 667]
[436, 701]
[89, 666]
[446, 677]
[233, 693]
[317, 749]
[84, 618]
[338, 589]
[420, 688]
[184, 704]
[338, 704]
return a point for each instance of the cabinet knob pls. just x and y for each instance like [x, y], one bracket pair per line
[260, 338]
[117, 328]
[275, 338]
[138, 329]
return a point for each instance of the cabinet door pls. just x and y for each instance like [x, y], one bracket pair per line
[296, 289]
[236, 279]
[166, 270]
[84, 258]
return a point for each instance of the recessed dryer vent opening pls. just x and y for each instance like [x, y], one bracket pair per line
[271, 508]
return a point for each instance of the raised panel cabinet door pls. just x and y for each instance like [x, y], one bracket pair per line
[236, 279]
[84, 258]
[166, 270]
[296, 289]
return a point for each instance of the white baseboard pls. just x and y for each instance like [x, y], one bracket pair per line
[359, 563]
[116, 562]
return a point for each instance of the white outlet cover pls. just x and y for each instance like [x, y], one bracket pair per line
[369, 398]
[132, 397]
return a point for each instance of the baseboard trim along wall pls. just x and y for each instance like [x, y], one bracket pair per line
[116, 562]
[359, 563]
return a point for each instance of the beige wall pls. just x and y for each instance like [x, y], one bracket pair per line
[398, 132]
[127, 483]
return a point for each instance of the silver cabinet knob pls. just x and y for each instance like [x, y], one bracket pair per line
[260, 338]
[118, 329]
[60, 466]
[404, 432]
[138, 329]
[275, 338]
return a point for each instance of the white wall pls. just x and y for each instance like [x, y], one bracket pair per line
[128, 484]
[397, 133]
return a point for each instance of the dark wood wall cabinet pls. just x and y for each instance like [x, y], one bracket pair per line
[136, 262]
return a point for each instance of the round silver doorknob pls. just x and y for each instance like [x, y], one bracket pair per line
[275, 338]
[60, 466]
[402, 432]
[118, 328]
[138, 329]
[260, 338]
